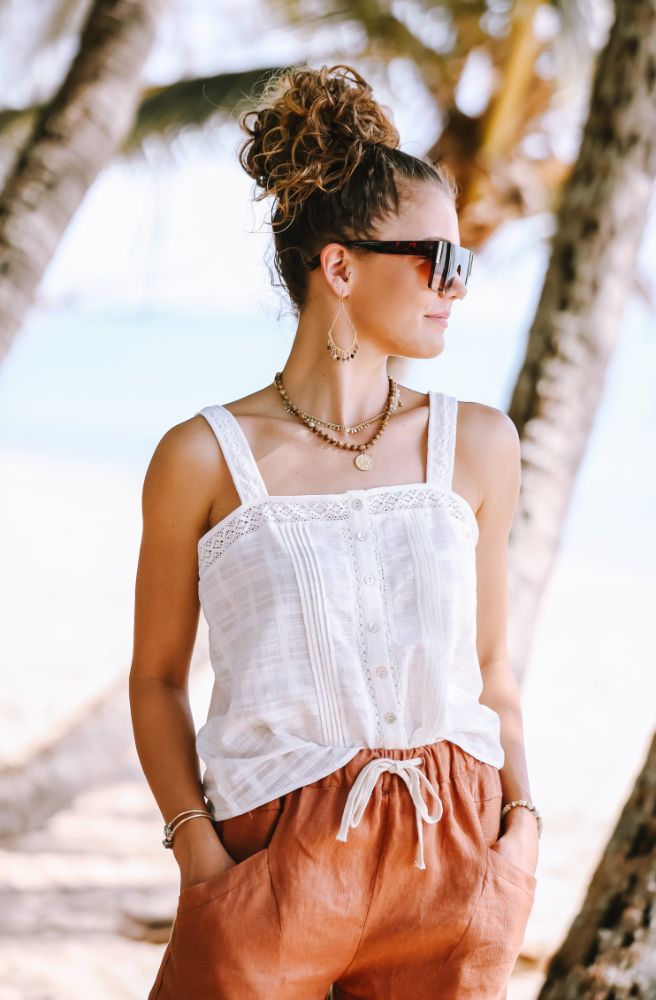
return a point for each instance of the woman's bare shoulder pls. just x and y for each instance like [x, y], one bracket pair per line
[487, 450]
[484, 426]
[189, 444]
[186, 472]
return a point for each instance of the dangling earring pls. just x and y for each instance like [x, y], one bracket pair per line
[340, 353]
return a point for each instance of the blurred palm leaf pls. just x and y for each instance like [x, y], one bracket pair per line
[168, 110]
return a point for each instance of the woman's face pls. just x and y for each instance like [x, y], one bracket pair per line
[390, 302]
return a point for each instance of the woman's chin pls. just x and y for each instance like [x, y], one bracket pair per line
[420, 353]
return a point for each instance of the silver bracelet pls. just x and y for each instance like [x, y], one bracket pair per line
[528, 805]
[172, 826]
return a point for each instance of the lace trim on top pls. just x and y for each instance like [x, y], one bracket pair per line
[441, 439]
[237, 453]
[362, 635]
[246, 520]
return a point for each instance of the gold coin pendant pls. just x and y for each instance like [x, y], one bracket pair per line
[364, 461]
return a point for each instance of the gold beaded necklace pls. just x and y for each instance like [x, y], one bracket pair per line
[396, 404]
[362, 461]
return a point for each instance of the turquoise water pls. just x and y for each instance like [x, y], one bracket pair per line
[107, 387]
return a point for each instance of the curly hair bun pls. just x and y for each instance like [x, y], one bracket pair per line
[309, 131]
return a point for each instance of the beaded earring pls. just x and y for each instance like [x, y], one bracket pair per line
[341, 353]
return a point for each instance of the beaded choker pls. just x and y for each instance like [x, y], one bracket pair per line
[363, 461]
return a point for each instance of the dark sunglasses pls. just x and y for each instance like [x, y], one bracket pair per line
[447, 259]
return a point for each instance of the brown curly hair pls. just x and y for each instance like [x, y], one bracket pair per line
[328, 153]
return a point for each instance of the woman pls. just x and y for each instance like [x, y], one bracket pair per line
[347, 537]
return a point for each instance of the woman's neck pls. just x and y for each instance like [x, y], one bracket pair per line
[345, 392]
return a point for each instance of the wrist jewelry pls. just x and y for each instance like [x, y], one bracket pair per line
[527, 805]
[170, 828]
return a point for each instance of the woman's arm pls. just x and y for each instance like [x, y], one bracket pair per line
[177, 495]
[494, 437]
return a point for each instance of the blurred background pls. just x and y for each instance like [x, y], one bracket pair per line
[154, 298]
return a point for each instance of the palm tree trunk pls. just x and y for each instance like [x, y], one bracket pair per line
[610, 950]
[73, 138]
[600, 222]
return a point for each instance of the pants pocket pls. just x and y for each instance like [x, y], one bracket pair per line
[226, 939]
[487, 795]
[246, 838]
[508, 870]
[228, 925]
[251, 831]
[225, 881]
[482, 962]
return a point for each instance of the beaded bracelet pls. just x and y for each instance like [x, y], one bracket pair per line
[170, 828]
[528, 805]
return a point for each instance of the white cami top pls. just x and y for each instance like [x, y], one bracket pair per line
[337, 621]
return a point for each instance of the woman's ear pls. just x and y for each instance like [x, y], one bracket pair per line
[336, 267]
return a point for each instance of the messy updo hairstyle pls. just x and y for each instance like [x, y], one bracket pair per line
[329, 154]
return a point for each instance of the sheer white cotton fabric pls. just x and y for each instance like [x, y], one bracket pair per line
[337, 622]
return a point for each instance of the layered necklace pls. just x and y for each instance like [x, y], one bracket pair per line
[363, 461]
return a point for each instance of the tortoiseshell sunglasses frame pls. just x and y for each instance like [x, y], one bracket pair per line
[454, 259]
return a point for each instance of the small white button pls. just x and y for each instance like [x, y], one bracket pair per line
[372, 626]
[381, 671]
[356, 504]
[361, 535]
[390, 717]
[369, 578]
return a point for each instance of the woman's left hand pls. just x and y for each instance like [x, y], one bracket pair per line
[519, 842]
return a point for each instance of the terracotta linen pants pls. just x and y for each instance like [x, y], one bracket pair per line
[302, 909]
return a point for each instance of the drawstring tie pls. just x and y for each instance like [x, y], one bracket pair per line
[363, 786]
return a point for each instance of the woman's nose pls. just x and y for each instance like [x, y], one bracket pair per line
[456, 289]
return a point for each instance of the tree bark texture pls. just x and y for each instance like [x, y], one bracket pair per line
[600, 222]
[610, 950]
[74, 137]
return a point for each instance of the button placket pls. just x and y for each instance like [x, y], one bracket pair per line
[385, 694]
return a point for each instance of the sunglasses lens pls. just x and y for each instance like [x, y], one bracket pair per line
[451, 260]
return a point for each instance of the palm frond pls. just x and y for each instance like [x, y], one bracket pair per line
[167, 110]
[436, 37]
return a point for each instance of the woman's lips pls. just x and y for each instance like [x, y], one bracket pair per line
[436, 317]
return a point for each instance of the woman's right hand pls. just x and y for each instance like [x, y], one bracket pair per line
[202, 873]
[199, 853]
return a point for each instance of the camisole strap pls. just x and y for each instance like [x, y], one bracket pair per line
[441, 439]
[237, 453]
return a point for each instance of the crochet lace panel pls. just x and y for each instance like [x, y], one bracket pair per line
[362, 635]
[440, 451]
[243, 467]
[246, 519]
[391, 652]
